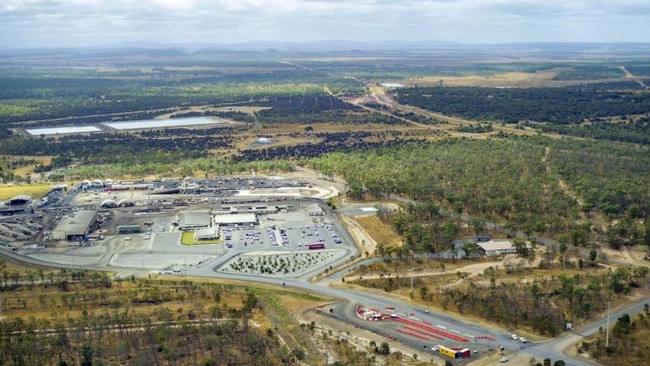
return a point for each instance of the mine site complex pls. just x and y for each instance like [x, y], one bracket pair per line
[269, 226]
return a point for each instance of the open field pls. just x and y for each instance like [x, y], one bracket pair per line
[188, 239]
[34, 190]
[379, 231]
[510, 79]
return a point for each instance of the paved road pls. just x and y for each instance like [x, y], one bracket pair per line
[551, 349]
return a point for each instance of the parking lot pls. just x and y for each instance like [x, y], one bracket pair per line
[281, 237]
[285, 230]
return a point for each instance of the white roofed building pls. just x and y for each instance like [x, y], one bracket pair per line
[194, 220]
[247, 219]
[497, 247]
[210, 233]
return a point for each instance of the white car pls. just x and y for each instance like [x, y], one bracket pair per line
[523, 340]
[504, 359]
[514, 337]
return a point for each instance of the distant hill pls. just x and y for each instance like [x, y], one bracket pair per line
[341, 47]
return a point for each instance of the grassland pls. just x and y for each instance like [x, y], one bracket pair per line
[188, 239]
[34, 190]
[380, 232]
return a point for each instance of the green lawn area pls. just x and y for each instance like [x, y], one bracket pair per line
[188, 239]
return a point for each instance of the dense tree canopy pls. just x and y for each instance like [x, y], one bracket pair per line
[536, 185]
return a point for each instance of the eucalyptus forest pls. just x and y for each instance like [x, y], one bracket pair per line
[450, 144]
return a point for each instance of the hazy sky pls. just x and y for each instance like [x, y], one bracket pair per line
[35, 23]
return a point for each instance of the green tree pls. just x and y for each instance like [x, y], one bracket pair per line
[568, 288]
[562, 249]
[622, 325]
[4, 271]
[87, 354]
[593, 254]
[520, 247]
[384, 348]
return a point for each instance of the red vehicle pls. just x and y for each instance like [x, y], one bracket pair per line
[316, 246]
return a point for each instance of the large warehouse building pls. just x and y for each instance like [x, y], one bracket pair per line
[248, 219]
[194, 220]
[75, 228]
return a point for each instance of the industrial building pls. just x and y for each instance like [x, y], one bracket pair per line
[128, 229]
[258, 209]
[16, 205]
[315, 211]
[210, 233]
[75, 228]
[194, 220]
[248, 219]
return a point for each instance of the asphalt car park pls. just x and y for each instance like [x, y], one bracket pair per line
[288, 223]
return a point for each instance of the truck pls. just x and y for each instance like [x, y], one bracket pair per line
[316, 246]
[453, 352]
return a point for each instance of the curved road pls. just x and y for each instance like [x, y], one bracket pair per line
[552, 349]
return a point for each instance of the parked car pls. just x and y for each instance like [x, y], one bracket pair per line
[504, 359]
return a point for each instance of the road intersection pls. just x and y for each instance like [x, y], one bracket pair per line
[407, 323]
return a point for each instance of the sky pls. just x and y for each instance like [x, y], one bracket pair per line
[73, 23]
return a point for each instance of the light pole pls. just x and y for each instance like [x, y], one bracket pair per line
[607, 334]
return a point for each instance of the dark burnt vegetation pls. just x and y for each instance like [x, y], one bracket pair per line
[553, 105]
[325, 143]
[317, 108]
[156, 146]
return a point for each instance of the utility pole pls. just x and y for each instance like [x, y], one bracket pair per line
[607, 334]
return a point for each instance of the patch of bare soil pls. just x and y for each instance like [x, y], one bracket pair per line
[363, 239]
[632, 256]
